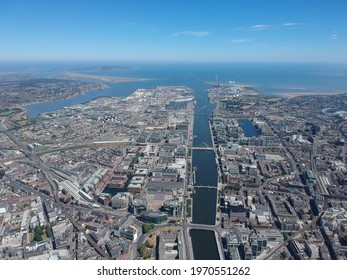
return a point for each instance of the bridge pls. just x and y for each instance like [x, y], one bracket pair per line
[202, 114]
[203, 148]
[205, 187]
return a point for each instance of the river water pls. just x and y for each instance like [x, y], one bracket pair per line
[204, 199]
[269, 79]
[204, 244]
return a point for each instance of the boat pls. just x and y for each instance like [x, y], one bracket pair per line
[185, 99]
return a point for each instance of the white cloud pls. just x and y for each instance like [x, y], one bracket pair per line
[241, 40]
[291, 25]
[334, 35]
[259, 27]
[193, 33]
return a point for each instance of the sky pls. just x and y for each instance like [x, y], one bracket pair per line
[174, 30]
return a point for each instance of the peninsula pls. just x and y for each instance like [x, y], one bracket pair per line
[100, 78]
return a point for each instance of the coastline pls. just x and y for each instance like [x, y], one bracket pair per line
[108, 79]
[307, 93]
[59, 99]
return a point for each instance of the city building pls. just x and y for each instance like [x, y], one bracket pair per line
[155, 217]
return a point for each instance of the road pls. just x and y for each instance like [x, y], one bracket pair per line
[185, 232]
[274, 250]
[340, 128]
[320, 184]
[45, 169]
[51, 177]
[20, 186]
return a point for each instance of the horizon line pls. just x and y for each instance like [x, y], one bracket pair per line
[114, 60]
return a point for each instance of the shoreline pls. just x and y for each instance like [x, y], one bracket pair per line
[308, 93]
[60, 99]
[288, 93]
[108, 79]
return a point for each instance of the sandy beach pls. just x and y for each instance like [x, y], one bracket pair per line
[100, 78]
[294, 94]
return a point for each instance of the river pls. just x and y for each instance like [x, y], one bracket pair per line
[204, 199]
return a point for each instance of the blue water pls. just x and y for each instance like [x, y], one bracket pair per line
[204, 245]
[268, 79]
[120, 89]
[248, 128]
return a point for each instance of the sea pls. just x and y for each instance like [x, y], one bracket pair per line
[267, 78]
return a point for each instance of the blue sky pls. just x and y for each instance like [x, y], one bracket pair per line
[174, 30]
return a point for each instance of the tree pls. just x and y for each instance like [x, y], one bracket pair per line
[234, 188]
[37, 234]
[2, 173]
[344, 240]
[48, 231]
[148, 244]
[147, 227]
[142, 250]
[41, 230]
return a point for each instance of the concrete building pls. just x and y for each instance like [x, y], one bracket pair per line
[311, 250]
[138, 206]
[128, 233]
[296, 249]
[172, 207]
[309, 177]
[272, 235]
[121, 200]
[243, 235]
[170, 246]
[153, 217]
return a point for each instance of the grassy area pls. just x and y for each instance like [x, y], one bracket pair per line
[148, 248]
[275, 99]
[147, 227]
[189, 207]
[31, 237]
[14, 118]
[18, 116]
[234, 188]
[189, 166]
[23, 122]
[7, 112]
[151, 241]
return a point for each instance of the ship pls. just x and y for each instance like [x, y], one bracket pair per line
[185, 99]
